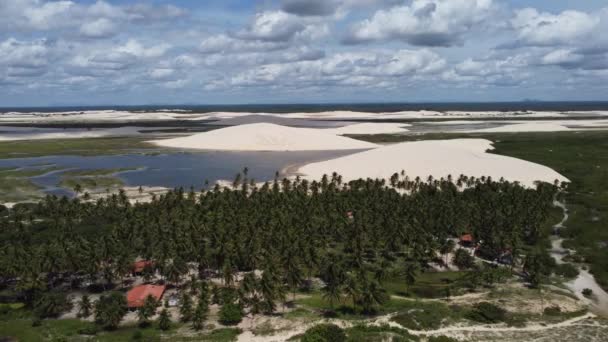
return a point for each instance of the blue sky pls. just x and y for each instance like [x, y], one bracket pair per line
[300, 51]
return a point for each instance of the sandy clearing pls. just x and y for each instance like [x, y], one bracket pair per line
[265, 137]
[438, 158]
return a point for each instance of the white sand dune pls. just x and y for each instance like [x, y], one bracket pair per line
[438, 158]
[525, 127]
[266, 137]
[370, 128]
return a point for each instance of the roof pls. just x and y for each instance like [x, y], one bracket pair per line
[139, 266]
[137, 295]
[466, 238]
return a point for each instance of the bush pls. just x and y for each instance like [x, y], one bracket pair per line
[91, 330]
[566, 271]
[230, 314]
[441, 338]
[587, 292]
[485, 312]
[463, 259]
[552, 311]
[324, 333]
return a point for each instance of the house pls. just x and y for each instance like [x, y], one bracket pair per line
[140, 266]
[136, 297]
[467, 240]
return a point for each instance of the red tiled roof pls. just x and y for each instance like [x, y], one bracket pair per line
[139, 266]
[137, 295]
[466, 238]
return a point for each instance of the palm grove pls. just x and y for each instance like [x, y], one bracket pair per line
[265, 242]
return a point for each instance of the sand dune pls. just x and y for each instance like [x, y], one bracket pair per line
[438, 158]
[266, 137]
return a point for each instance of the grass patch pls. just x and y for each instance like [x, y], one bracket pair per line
[418, 315]
[15, 185]
[96, 172]
[427, 285]
[91, 182]
[378, 333]
[79, 147]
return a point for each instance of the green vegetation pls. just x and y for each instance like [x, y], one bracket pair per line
[230, 314]
[378, 334]
[92, 179]
[324, 333]
[15, 185]
[580, 156]
[287, 231]
[80, 147]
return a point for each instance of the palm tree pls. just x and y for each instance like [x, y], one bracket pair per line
[164, 322]
[84, 307]
[200, 315]
[410, 273]
[185, 309]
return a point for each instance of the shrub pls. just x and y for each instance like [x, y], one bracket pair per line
[441, 338]
[587, 292]
[424, 318]
[552, 311]
[485, 312]
[566, 270]
[230, 314]
[324, 333]
[90, 330]
[462, 259]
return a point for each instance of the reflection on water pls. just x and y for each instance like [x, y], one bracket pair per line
[175, 169]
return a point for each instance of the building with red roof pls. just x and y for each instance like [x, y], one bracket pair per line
[467, 240]
[136, 297]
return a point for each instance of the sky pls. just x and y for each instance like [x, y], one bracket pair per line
[124, 52]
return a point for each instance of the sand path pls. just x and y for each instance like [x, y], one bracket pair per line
[599, 301]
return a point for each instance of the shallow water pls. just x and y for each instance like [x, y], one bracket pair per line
[183, 169]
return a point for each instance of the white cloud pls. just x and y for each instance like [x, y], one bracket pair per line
[562, 56]
[568, 27]
[135, 48]
[424, 22]
[278, 26]
[100, 28]
[15, 53]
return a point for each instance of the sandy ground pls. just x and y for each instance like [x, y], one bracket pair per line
[438, 158]
[585, 280]
[177, 114]
[265, 137]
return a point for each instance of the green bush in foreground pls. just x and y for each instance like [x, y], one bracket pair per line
[485, 312]
[441, 338]
[324, 333]
[230, 314]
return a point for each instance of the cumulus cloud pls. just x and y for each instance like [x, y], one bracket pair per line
[546, 29]
[275, 26]
[424, 22]
[100, 28]
[367, 68]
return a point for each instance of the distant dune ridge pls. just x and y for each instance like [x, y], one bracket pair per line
[266, 137]
[438, 158]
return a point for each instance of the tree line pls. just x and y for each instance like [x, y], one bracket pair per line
[266, 241]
